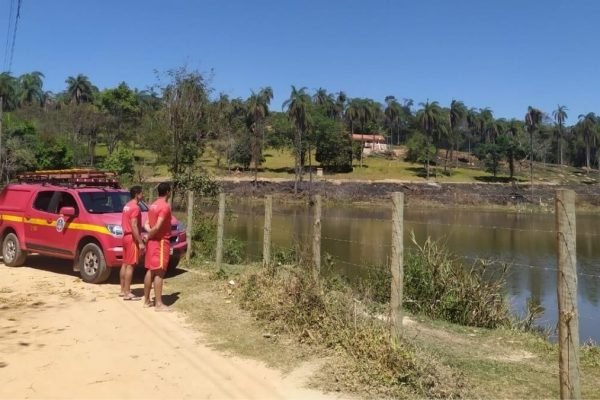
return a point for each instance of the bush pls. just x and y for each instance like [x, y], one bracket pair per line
[330, 317]
[439, 285]
[241, 153]
[121, 162]
[204, 235]
[419, 150]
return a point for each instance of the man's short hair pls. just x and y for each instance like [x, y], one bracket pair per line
[134, 191]
[163, 189]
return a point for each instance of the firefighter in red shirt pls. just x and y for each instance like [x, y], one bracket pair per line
[158, 227]
[133, 244]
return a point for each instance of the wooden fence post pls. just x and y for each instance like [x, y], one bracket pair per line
[189, 226]
[267, 232]
[568, 316]
[397, 266]
[220, 228]
[317, 240]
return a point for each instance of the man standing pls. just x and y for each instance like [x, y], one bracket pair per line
[158, 227]
[133, 245]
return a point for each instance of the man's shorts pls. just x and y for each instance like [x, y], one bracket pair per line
[131, 251]
[157, 254]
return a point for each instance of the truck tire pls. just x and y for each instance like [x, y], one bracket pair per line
[92, 264]
[12, 254]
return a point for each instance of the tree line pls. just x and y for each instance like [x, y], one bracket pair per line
[182, 115]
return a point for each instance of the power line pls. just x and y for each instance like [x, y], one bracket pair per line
[14, 38]
[8, 30]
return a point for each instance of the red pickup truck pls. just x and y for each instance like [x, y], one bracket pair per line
[79, 220]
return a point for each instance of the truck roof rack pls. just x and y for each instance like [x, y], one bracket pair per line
[78, 177]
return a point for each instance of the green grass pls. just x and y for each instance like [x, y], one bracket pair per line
[279, 164]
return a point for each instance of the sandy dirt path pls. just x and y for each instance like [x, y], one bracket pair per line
[62, 338]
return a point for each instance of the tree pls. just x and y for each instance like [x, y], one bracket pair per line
[560, 116]
[80, 89]
[333, 145]
[429, 118]
[533, 120]
[512, 144]
[8, 91]
[491, 154]
[456, 116]
[587, 126]
[257, 110]
[120, 162]
[392, 114]
[30, 89]
[298, 109]
[181, 123]
[121, 104]
[325, 101]
[420, 149]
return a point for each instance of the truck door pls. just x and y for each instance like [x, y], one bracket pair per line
[40, 220]
[66, 227]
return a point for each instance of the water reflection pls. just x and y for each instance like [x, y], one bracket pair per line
[360, 237]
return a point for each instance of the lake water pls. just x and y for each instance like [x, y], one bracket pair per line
[359, 237]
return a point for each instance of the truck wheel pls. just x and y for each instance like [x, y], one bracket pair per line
[173, 263]
[92, 265]
[11, 251]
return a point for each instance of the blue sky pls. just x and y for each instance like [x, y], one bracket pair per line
[501, 54]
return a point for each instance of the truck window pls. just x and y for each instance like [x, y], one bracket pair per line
[106, 202]
[60, 200]
[42, 201]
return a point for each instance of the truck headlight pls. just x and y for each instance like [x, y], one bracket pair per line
[180, 227]
[115, 229]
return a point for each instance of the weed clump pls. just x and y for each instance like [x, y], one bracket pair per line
[441, 286]
[331, 318]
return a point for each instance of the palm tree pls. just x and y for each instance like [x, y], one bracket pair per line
[8, 91]
[31, 88]
[560, 115]
[257, 107]
[588, 124]
[80, 89]
[340, 105]
[298, 106]
[457, 115]
[352, 114]
[392, 115]
[486, 125]
[533, 120]
[326, 101]
[473, 124]
[429, 118]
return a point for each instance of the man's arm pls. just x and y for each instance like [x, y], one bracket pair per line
[152, 231]
[136, 232]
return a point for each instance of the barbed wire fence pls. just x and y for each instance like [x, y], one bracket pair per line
[566, 271]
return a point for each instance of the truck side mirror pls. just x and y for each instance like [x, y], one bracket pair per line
[68, 211]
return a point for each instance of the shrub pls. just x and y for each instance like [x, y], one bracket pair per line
[204, 235]
[440, 285]
[121, 162]
[330, 317]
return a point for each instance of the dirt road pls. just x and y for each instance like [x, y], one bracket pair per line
[62, 338]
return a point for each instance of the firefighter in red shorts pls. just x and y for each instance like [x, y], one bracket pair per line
[158, 227]
[133, 245]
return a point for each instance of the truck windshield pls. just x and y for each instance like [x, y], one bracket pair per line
[106, 202]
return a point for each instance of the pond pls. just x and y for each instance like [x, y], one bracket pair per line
[355, 238]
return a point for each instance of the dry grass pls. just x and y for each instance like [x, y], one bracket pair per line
[286, 322]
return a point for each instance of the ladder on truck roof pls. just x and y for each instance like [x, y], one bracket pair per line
[79, 177]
